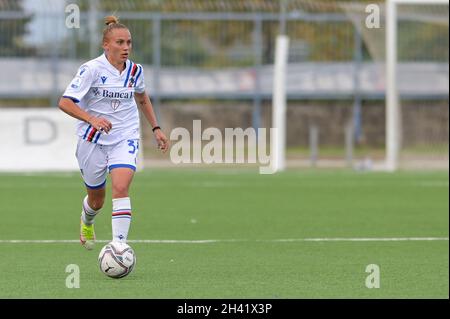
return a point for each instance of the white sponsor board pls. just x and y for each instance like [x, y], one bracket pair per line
[37, 140]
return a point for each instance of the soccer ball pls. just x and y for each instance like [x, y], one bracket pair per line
[116, 259]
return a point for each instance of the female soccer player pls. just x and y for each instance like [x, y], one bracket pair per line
[104, 96]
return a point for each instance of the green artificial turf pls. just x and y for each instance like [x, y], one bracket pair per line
[251, 217]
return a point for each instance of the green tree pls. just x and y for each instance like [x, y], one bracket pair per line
[12, 30]
[230, 43]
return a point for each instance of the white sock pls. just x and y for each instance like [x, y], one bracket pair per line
[121, 218]
[88, 214]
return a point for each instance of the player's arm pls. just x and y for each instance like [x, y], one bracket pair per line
[144, 103]
[74, 92]
[69, 107]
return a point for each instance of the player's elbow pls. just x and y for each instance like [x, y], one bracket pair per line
[60, 103]
[64, 103]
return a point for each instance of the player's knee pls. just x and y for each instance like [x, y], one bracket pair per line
[120, 191]
[97, 203]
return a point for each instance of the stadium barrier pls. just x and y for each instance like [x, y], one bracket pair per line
[37, 140]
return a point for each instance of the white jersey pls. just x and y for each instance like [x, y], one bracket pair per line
[101, 90]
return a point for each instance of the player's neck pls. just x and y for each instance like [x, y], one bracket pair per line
[120, 66]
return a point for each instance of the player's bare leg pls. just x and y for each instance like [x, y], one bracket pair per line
[92, 204]
[121, 215]
[96, 197]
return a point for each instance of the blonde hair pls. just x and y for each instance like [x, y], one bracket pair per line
[112, 22]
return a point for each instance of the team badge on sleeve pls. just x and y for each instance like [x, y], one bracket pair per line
[75, 83]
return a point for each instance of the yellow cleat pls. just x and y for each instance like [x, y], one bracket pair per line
[87, 235]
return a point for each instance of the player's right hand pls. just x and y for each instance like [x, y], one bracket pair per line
[100, 124]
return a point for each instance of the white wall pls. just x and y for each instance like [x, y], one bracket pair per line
[37, 140]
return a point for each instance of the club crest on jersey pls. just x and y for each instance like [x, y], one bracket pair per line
[115, 104]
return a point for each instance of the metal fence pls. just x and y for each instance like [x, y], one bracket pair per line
[189, 55]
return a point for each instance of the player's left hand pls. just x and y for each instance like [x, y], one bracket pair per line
[161, 139]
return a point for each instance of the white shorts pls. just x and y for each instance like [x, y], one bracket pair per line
[96, 160]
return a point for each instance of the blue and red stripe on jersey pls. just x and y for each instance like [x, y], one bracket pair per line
[137, 77]
[131, 81]
[128, 74]
[91, 134]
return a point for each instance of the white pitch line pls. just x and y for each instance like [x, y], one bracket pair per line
[211, 241]
[363, 239]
